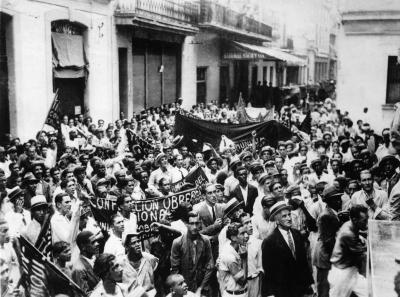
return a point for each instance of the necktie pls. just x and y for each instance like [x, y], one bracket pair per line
[180, 170]
[213, 214]
[291, 244]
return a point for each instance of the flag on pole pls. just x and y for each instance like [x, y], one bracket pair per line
[305, 126]
[37, 269]
[53, 117]
[44, 240]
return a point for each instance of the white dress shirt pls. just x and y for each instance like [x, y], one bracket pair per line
[244, 193]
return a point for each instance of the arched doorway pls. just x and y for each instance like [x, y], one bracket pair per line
[5, 45]
[69, 65]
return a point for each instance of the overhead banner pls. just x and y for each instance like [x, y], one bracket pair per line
[197, 131]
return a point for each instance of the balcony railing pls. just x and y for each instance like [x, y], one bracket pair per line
[169, 10]
[213, 13]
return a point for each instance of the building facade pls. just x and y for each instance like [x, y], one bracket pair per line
[36, 37]
[368, 51]
[105, 58]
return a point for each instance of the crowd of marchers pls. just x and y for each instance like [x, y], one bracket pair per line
[284, 221]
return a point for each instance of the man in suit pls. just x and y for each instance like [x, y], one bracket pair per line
[82, 270]
[244, 191]
[287, 273]
[211, 214]
[191, 256]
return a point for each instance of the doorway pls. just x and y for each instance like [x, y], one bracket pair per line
[241, 68]
[69, 66]
[224, 85]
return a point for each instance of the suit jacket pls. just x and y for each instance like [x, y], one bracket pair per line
[83, 275]
[206, 217]
[208, 227]
[198, 272]
[252, 194]
[285, 276]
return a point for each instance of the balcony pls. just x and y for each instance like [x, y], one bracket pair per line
[221, 18]
[172, 15]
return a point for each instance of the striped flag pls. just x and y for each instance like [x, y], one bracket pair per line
[44, 240]
[36, 269]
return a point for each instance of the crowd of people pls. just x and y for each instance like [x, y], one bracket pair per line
[284, 221]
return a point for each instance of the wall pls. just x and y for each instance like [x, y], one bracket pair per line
[362, 74]
[31, 93]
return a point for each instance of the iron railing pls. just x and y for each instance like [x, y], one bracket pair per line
[213, 13]
[176, 10]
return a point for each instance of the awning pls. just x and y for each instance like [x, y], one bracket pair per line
[241, 51]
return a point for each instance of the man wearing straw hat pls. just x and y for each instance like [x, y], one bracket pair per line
[287, 273]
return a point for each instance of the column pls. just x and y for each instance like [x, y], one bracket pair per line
[188, 72]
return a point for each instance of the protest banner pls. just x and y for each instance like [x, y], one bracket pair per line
[197, 177]
[103, 209]
[384, 258]
[53, 116]
[154, 210]
[197, 131]
[38, 270]
[147, 211]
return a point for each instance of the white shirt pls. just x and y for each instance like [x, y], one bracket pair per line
[244, 193]
[16, 223]
[114, 246]
[60, 228]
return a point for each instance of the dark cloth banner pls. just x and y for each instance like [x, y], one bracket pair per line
[306, 124]
[201, 131]
[197, 177]
[135, 140]
[39, 273]
[53, 117]
[154, 210]
[147, 211]
[103, 209]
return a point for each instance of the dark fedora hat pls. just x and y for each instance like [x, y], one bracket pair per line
[29, 178]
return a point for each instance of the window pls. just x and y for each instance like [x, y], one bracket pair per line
[393, 81]
[201, 84]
